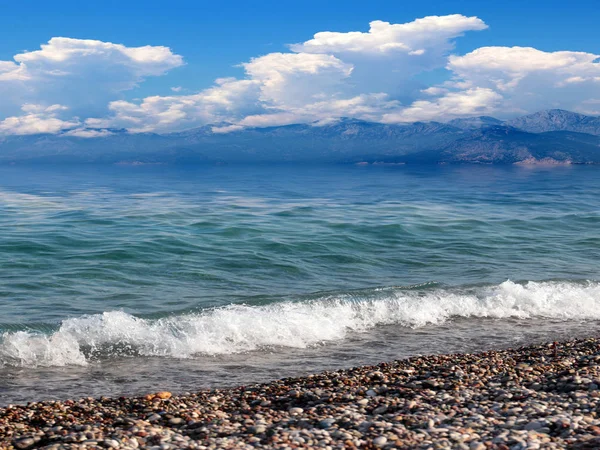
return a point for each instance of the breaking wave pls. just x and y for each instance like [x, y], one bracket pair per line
[243, 328]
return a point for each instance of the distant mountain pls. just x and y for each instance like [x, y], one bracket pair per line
[557, 120]
[508, 145]
[471, 123]
[553, 135]
[343, 141]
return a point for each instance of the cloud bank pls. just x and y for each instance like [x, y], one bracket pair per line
[78, 87]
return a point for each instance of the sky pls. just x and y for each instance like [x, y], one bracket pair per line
[86, 68]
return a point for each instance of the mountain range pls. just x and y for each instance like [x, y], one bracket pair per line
[547, 137]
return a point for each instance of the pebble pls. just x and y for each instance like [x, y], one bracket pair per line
[258, 429]
[326, 423]
[24, 443]
[540, 396]
[379, 441]
[534, 425]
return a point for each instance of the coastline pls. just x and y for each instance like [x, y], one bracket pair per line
[538, 396]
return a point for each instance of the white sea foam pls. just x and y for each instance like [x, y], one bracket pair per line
[240, 328]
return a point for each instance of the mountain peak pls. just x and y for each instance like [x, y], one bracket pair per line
[557, 120]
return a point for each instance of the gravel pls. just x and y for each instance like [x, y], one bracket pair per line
[542, 396]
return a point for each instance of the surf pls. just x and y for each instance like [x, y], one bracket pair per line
[325, 318]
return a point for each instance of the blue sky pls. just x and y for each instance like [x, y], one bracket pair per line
[213, 39]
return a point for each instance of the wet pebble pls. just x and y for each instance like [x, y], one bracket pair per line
[543, 396]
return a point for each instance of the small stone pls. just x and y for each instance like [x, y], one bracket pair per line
[295, 411]
[534, 425]
[110, 443]
[326, 423]
[176, 421]
[380, 410]
[24, 443]
[371, 393]
[379, 441]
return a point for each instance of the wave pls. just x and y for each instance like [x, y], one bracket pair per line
[243, 328]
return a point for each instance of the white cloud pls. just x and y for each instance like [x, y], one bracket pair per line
[365, 107]
[333, 75]
[226, 129]
[472, 102]
[518, 61]
[37, 119]
[373, 75]
[388, 56]
[384, 38]
[528, 79]
[435, 91]
[83, 74]
[289, 79]
[226, 101]
[87, 133]
[9, 71]
[62, 56]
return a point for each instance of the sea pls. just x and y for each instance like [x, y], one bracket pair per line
[129, 279]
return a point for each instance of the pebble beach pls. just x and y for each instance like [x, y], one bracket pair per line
[540, 396]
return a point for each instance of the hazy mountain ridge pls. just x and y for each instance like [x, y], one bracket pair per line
[507, 145]
[553, 135]
[471, 123]
[557, 120]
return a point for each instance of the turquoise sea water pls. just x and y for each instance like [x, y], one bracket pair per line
[122, 280]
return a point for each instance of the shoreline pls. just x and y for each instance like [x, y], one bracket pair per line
[538, 396]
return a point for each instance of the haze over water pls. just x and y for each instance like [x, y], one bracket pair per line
[121, 280]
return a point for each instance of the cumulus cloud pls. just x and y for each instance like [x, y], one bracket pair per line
[366, 107]
[527, 79]
[63, 55]
[388, 56]
[37, 119]
[506, 81]
[10, 71]
[87, 133]
[383, 38]
[477, 101]
[81, 73]
[288, 79]
[371, 75]
[227, 100]
[333, 75]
